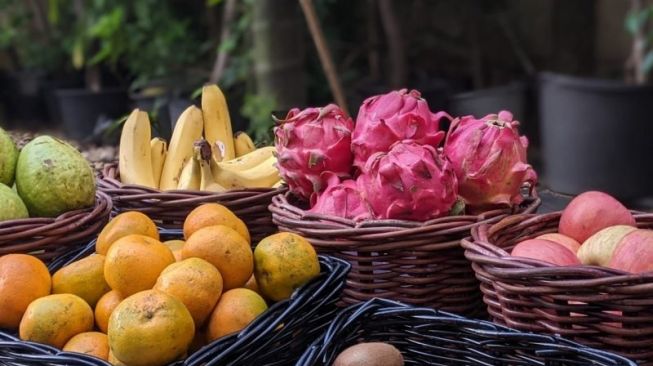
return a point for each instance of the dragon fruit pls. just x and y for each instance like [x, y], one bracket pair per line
[310, 142]
[342, 199]
[410, 182]
[489, 158]
[385, 119]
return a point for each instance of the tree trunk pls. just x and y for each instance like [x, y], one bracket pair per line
[395, 44]
[222, 57]
[278, 36]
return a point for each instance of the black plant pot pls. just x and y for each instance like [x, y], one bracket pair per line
[596, 134]
[81, 109]
[22, 95]
[516, 97]
[482, 102]
[49, 94]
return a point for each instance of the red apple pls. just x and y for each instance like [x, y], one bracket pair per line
[547, 251]
[590, 212]
[598, 248]
[564, 240]
[634, 253]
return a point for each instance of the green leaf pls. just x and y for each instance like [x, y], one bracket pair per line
[196, 93]
[108, 24]
[53, 11]
[228, 45]
[635, 21]
[117, 123]
[103, 54]
[647, 63]
[258, 109]
[78, 54]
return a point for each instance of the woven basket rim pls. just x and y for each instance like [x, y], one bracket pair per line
[47, 237]
[283, 207]
[363, 312]
[108, 182]
[480, 249]
[101, 198]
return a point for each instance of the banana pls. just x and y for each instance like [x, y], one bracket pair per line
[180, 149]
[243, 144]
[249, 160]
[203, 156]
[159, 149]
[217, 123]
[278, 184]
[135, 157]
[189, 179]
[262, 175]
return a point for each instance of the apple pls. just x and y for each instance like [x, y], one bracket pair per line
[598, 248]
[635, 252]
[568, 242]
[547, 251]
[590, 212]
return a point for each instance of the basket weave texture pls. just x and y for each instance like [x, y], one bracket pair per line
[49, 237]
[277, 337]
[430, 337]
[419, 263]
[169, 209]
[596, 306]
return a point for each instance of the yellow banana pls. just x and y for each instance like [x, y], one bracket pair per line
[217, 123]
[262, 175]
[135, 157]
[180, 149]
[243, 144]
[203, 157]
[189, 178]
[249, 160]
[159, 149]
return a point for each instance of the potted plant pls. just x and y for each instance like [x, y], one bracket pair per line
[34, 60]
[159, 31]
[97, 40]
[596, 132]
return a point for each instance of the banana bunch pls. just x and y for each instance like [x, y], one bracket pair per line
[202, 153]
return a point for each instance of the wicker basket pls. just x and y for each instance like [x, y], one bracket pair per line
[416, 263]
[47, 238]
[596, 306]
[430, 337]
[288, 326]
[169, 209]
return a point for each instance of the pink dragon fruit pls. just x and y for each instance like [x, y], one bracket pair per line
[410, 182]
[342, 199]
[385, 119]
[489, 158]
[311, 142]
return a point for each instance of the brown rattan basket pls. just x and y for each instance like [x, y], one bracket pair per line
[419, 263]
[169, 209]
[600, 307]
[49, 237]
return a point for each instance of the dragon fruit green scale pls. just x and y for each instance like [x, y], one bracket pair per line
[398, 115]
[410, 182]
[489, 158]
[310, 142]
